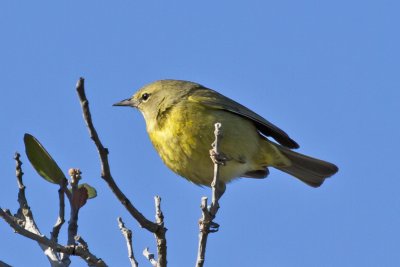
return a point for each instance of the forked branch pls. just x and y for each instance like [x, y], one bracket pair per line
[206, 223]
[157, 228]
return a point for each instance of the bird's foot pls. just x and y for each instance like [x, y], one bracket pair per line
[218, 158]
[214, 227]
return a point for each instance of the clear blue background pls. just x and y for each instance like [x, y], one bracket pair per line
[327, 72]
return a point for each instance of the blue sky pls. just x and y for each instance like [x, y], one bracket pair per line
[327, 72]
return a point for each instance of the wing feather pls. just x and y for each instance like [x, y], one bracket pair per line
[215, 100]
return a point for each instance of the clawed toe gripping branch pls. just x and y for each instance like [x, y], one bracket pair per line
[206, 224]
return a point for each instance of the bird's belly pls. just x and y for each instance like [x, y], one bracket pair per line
[185, 140]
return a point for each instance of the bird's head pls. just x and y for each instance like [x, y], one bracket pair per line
[157, 97]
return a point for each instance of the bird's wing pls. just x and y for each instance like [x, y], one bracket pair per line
[215, 100]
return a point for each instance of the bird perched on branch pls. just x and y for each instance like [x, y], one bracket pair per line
[180, 118]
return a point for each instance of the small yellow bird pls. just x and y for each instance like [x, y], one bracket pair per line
[180, 118]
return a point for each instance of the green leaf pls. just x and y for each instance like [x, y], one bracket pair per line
[41, 160]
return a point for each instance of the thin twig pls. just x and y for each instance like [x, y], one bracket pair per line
[79, 250]
[150, 257]
[159, 213]
[218, 158]
[24, 224]
[81, 241]
[127, 233]
[83, 249]
[18, 170]
[61, 211]
[105, 168]
[155, 228]
[75, 175]
[161, 240]
[206, 224]
[24, 210]
[65, 258]
[203, 227]
[25, 214]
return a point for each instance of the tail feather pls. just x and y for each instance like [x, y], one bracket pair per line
[309, 170]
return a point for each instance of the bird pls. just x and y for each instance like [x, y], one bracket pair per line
[180, 117]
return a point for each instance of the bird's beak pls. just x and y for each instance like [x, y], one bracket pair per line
[127, 103]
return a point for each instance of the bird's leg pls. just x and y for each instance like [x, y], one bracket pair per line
[219, 191]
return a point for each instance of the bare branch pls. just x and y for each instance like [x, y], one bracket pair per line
[159, 214]
[105, 168]
[65, 258]
[75, 175]
[61, 212]
[81, 241]
[3, 264]
[150, 257]
[127, 233]
[158, 230]
[160, 238]
[203, 236]
[83, 251]
[24, 224]
[18, 170]
[79, 250]
[13, 222]
[206, 224]
[25, 214]
[218, 188]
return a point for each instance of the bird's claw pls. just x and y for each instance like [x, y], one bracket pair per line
[218, 158]
[214, 227]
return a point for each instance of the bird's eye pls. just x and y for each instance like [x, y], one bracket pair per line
[145, 96]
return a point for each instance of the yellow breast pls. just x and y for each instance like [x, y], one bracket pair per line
[183, 138]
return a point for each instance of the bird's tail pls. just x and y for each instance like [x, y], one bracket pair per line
[309, 170]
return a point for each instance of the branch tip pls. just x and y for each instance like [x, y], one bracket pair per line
[206, 224]
[157, 228]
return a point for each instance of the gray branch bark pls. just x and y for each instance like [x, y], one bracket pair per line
[24, 224]
[127, 233]
[158, 229]
[206, 224]
[150, 257]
